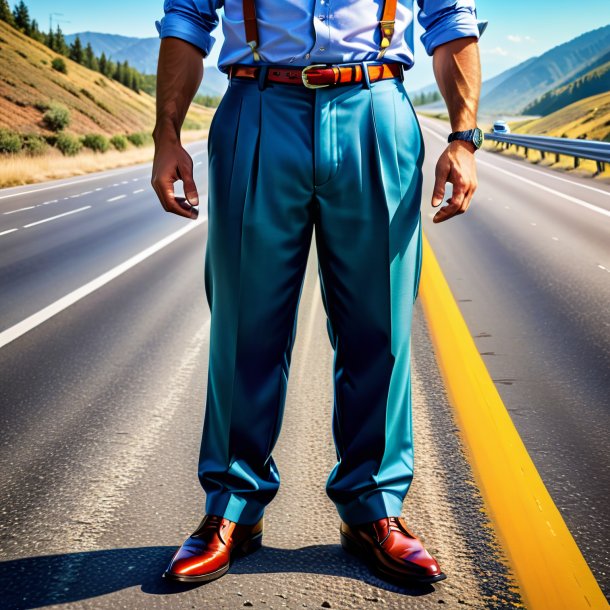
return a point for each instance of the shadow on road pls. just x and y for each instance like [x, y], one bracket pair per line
[33, 582]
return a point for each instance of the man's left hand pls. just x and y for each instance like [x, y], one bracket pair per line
[455, 165]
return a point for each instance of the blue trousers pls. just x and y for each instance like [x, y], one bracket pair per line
[284, 160]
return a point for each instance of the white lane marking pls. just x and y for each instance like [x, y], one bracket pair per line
[138, 191]
[99, 188]
[103, 176]
[115, 184]
[198, 163]
[134, 179]
[29, 207]
[116, 198]
[549, 174]
[7, 232]
[86, 192]
[39, 222]
[19, 329]
[533, 224]
[604, 268]
[124, 181]
[50, 201]
[555, 238]
[575, 200]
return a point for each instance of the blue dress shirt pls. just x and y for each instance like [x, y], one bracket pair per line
[317, 31]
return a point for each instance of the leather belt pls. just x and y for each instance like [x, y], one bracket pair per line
[319, 75]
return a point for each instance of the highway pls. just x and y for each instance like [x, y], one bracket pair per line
[530, 267]
[104, 337]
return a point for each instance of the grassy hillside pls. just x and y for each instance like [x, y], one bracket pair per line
[588, 118]
[553, 69]
[592, 83]
[28, 84]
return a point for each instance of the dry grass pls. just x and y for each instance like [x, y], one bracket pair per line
[20, 169]
[97, 104]
[588, 118]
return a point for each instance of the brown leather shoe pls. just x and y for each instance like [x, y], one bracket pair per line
[392, 551]
[207, 554]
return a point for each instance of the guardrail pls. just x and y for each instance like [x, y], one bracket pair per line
[579, 149]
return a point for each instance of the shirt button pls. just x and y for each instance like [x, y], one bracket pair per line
[322, 49]
[307, 56]
[322, 17]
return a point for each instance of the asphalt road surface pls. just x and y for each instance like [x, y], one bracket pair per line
[102, 403]
[530, 267]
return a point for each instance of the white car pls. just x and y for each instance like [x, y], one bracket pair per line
[500, 127]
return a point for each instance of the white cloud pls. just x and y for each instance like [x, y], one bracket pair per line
[495, 51]
[517, 39]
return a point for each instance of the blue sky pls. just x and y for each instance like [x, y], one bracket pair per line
[517, 29]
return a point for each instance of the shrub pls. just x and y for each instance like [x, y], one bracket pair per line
[57, 117]
[60, 65]
[140, 138]
[96, 142]
[87, 94]
[34, 144]
[119, 142]
[68, 145]
[10, 142]
[42, 106]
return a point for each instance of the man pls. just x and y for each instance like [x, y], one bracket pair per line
[315, 130]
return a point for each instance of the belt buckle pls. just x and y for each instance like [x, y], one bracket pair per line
[306, 81]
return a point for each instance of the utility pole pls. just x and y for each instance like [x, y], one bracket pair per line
[57, 20]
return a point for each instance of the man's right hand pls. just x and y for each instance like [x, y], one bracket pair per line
[179, 73]
[173, 163]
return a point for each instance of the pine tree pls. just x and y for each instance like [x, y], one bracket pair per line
[103, 63]
[90, 59]
[118, 72]
[22, 17]
[5, 13]
[50, 40]
[35, 33]
[76, 51]
[60, 43]
[110, 69]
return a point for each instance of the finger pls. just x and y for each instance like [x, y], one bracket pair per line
[186, 209]
[185, 172]
[446, 212]
[173, 204]
[467, 200]
[439, 190]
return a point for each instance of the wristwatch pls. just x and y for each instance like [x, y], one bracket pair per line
[472, 135]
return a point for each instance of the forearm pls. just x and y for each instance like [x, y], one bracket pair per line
[457, 69]
[179, 74]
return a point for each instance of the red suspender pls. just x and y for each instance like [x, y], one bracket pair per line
[251, 27]
[386, 25]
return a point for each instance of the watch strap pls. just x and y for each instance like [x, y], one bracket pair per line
[461, 135]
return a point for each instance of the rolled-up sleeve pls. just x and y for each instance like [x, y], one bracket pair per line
[191, 20]
[445, 20]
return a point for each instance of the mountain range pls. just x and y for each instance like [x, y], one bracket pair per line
[551, 75]
[142, 53]
[510, 92]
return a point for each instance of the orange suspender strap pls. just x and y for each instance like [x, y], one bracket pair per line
[251, 27]
[386, 25]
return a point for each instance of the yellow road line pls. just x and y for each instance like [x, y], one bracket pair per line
[550, 569]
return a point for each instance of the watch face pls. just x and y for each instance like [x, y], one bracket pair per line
[477, 137]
